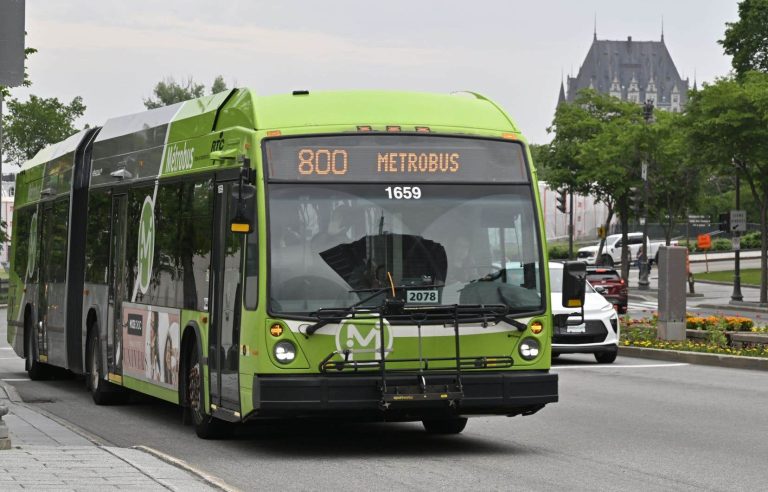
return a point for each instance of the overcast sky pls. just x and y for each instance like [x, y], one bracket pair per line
[112, 52]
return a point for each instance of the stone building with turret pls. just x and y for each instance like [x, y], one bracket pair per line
[630, 70]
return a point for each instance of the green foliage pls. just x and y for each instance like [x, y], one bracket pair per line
[29, 126]
[721, 244]
[595, 149]
[218, 85]
[674, 178]
[168, 91]
[558, 252]
[751, 240]
[747, 39]
[728, 133]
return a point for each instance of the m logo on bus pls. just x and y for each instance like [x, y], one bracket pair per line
[363, 339]
[146, 248]
[32, 251]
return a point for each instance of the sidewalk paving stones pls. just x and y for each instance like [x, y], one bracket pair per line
[47, 455]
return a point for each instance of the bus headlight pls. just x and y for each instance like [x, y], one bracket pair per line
[285, 351]
[529, 349]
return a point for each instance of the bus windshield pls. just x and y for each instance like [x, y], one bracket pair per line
[333, 245]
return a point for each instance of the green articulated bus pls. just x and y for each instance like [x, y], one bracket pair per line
[357, 255]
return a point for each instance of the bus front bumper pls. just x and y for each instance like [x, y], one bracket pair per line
[488, 393]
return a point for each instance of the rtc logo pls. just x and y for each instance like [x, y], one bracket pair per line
[363, 339]
[146, 251]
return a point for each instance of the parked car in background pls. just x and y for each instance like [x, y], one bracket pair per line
[611, 254]
[608, 283]
[598, 334]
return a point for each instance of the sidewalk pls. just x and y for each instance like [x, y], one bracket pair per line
[46, 455]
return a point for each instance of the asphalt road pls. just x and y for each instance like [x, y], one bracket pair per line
[633, 425]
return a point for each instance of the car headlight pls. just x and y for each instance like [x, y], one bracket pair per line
[529, 349]
[285, 351]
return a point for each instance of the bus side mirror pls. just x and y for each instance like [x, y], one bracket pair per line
[242, 208]
[574, 284]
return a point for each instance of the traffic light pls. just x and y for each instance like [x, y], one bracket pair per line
[561, 195]
[724, 222]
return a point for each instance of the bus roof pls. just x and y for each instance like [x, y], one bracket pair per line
[459, 110]
[301, 109]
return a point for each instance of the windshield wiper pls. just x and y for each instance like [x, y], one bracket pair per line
[334, 314]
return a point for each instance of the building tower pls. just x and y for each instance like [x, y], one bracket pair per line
[633, 71]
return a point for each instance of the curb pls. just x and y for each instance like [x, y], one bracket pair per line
[717, 360]
[10, 392]
[179, 463]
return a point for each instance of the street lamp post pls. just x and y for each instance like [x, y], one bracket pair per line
[643, 266]
[736, 294]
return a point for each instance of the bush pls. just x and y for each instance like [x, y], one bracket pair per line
[751, 240]
[721, 244]
[558, 252]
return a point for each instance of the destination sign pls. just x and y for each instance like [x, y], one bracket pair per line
[385, 157]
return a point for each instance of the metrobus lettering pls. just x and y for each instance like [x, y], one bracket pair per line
[179, 159]
[413, 162]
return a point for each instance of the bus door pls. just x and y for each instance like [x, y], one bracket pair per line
[117, 284]
[45, 277]
[225, 295]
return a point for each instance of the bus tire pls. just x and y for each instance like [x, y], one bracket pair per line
[36, 370]
[206, 426]
[102, 391]
[445, 426]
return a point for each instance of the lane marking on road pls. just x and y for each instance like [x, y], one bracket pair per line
[621, 366]
[10, 358]
[6, 348]
[11, 380]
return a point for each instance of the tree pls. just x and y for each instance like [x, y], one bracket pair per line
[31, 125]
[169, 91]
[597, 150]
[747, 39]
[218, 85]
[728, 132]
[674, 178]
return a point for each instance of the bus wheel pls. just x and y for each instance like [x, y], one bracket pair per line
[445, 426]
[206, 426]
[102, 391]
[36, 370]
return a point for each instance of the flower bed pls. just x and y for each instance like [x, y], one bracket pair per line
[722, 323]
[713, 335]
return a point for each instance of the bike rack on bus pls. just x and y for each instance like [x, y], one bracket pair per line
[394, 311]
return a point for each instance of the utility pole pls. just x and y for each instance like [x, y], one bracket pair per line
[570, 226]
[736, 294]
[643, 266]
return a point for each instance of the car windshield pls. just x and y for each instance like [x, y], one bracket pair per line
[333, 245]
[602, 276]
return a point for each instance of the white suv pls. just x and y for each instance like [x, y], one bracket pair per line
[612, 249]
[599, 334]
